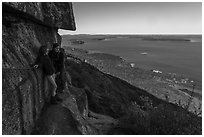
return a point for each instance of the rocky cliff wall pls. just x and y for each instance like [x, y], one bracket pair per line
[26, 27]
[92, 102]
[52, 14]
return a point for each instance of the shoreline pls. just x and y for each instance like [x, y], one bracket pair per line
[172, 87]
[186, 78]
[192, 70]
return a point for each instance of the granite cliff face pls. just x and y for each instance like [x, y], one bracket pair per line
[26, 27]
[92, 102]
[50, 14]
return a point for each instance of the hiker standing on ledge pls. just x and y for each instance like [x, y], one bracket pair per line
[57, 56]
[43, 61]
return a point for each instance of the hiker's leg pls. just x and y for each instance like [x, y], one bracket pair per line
[51, 78]
[62, 79]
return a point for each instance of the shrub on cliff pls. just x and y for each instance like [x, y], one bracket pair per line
[160, 120]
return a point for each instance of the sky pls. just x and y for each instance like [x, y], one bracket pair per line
[137, 18]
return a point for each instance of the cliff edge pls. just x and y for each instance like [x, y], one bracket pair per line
[92, 102]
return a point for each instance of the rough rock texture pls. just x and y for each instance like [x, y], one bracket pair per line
[73, 116]
[56, 15]
[26, 27]
[92, 102]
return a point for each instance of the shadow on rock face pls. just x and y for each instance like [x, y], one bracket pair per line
[56, 120]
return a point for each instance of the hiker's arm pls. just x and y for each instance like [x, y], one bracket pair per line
[61, 59]
[61, 63]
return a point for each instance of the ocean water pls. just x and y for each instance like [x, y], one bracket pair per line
[183, 57]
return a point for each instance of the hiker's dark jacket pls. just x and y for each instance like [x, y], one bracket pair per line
[58, 59]
[46, 64]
